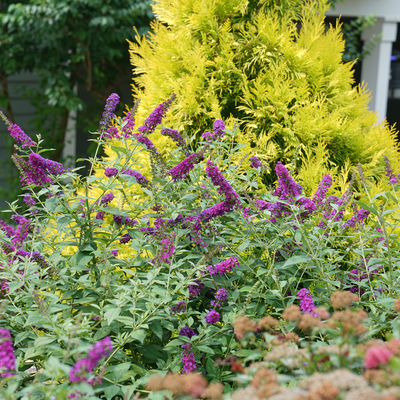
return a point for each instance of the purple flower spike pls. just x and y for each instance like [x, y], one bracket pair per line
[223, 186]
[188, 332]
[110, 171]
[322, 190]
[7, 356]
[183, 168]
[107, 198]
[287, 188]
[156, 117]
[47, 166]
[128, 123]
[82, 368]
[195, 290]
[179, 308]
[189, 363]
[218, 131]
[141, 180]
[357, 219]
[212, 317]
[125, 239]
[108, 113]
[177, 138]
[223, 267]
[222, 295]
[306, 302]
[22, 231]
[255, 162]
[17, 133]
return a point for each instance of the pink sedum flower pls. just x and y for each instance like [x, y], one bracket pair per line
[376, 356]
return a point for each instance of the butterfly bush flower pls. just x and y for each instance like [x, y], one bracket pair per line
[322, 190]
[17, 133]
[223, 186]
[128, 123]
[177, 139]
[156, 117]
[29, 200]
[107, 198]
[212, 317]
[222, 295]
[389, 171]
[36, 170]
[108, 113]
[7, 229]
[357, 219]
[195, 290]
[141, 180]
[255, 162]
[218, 131]
[189, 363]
[22, 231]
[188, 332]
[47, 166]
[223, 267]
[183, 168]
[121, 220]
[306, 302]
[179, 308]
[82, 368]
[288, 189]
[125, 239]
[7, 356]
[166, 251]
[110, 171]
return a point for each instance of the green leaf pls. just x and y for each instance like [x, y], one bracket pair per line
[20, 337]
[34, 319]
[139, 335]
[157, 329]
[296, 260]
[43, 341]
[168, 324]
[111, 314]
[80, 258]
[119, 149]
[205, 349]
[102, 332]
[175, 342]
[243, 246]
[120, 369]
[63, 222]
[111, 391]
[13, 286]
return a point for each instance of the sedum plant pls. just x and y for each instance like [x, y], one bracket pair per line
[272, 67]
[111, 277]
[322, 354]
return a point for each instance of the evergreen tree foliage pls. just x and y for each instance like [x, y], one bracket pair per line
[272, 67]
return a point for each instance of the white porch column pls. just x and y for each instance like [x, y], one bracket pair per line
[376, 67]
[69, 150]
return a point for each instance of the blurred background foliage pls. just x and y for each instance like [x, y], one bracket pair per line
[82, 44]
[68, 44]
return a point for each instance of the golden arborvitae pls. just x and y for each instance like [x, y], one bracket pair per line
[274, 68]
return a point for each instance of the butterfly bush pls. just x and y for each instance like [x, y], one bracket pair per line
[167, 254]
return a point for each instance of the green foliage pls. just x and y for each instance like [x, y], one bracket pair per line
[82, 291]
[274, 69]
[352, 32]
[67, 43]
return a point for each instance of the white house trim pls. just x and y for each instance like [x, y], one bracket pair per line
[375, 67]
